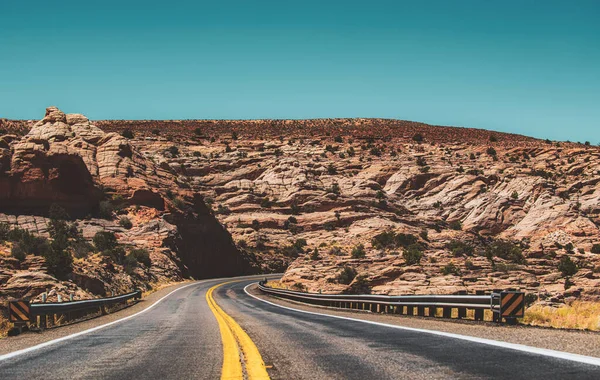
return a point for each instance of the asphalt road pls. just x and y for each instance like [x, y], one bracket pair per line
[180, 339]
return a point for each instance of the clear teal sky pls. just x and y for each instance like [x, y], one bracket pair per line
[530, 67]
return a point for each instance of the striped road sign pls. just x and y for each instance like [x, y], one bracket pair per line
[512, 304]
[19, 311]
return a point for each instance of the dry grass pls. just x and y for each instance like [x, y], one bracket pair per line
[4, 326]
[578, 315]
[277, 285]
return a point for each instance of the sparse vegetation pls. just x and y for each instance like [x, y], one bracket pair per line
[413, 254]
[358, 252]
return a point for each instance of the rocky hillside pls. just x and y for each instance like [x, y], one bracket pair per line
[85, 212]
[388, 206]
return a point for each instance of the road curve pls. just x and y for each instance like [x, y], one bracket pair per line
[179, 338]
[308, 346]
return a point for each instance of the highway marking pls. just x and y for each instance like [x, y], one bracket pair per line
[233, 336]
[512, 346]
[11, 355]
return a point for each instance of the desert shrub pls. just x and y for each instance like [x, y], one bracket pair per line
[105, 210]
[116, 254]
[491, 151]
[384, 240]
[418, 137]
[459, 248]
[198, 131]
[514, 195]
[338, 139]
[505, 250]
[242, 243]
[469, 265]
[105, 240]
[315, 254]
[358, 252]
[81, 248]
[265, 202]
[59, 262]
[255, 225]
[567, 269]
[127, 133]
[17, 252]
[174, 150]
[125, 222]
[421, 161]
[156, 132]
[179, 203]
[346, 276]
[413, 254]
[596, 248]
[424, 234]
[223, 210]
[493, 138]
[405, 240]
[450, 268]
[4, 230]
[299, 287]
[336, 251]
[141, 256]
[455, 225]
[331, 169]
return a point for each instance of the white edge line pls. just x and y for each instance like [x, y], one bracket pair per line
[512, 346]
[13, 354]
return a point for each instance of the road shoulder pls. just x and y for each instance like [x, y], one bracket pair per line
[29, 339]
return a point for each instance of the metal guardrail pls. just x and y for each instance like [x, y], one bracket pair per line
[23, 313]
[507, 305]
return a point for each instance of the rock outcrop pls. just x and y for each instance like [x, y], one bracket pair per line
[101, 179]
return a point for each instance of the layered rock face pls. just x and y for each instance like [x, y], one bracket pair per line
[284, 188]
[337, 184]
[66, 160]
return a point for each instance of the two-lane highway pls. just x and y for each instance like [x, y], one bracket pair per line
[181, 338]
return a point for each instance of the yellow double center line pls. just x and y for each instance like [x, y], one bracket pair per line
[235, 338]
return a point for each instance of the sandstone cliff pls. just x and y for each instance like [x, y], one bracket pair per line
[106, 184]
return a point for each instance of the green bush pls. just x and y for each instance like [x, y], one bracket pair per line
[459, 248]
[315, 255]
[384, 240]
[505, 250]
[413, 254]
[141, 256]
[59, 262]
[450, 268]
[17, 252]
[116, 254]
[455, 225]
[346, 276]
[127, 133]
[4, 230]
[596, 248]
[125, 222]
[105, 240]
[405, 240]
[358, 252]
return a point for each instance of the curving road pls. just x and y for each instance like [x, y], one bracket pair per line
[179, 338]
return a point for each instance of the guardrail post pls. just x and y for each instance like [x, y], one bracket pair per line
[421, 311]
[462, 311]
[479, 312]
[447, 312]
[410, 310]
